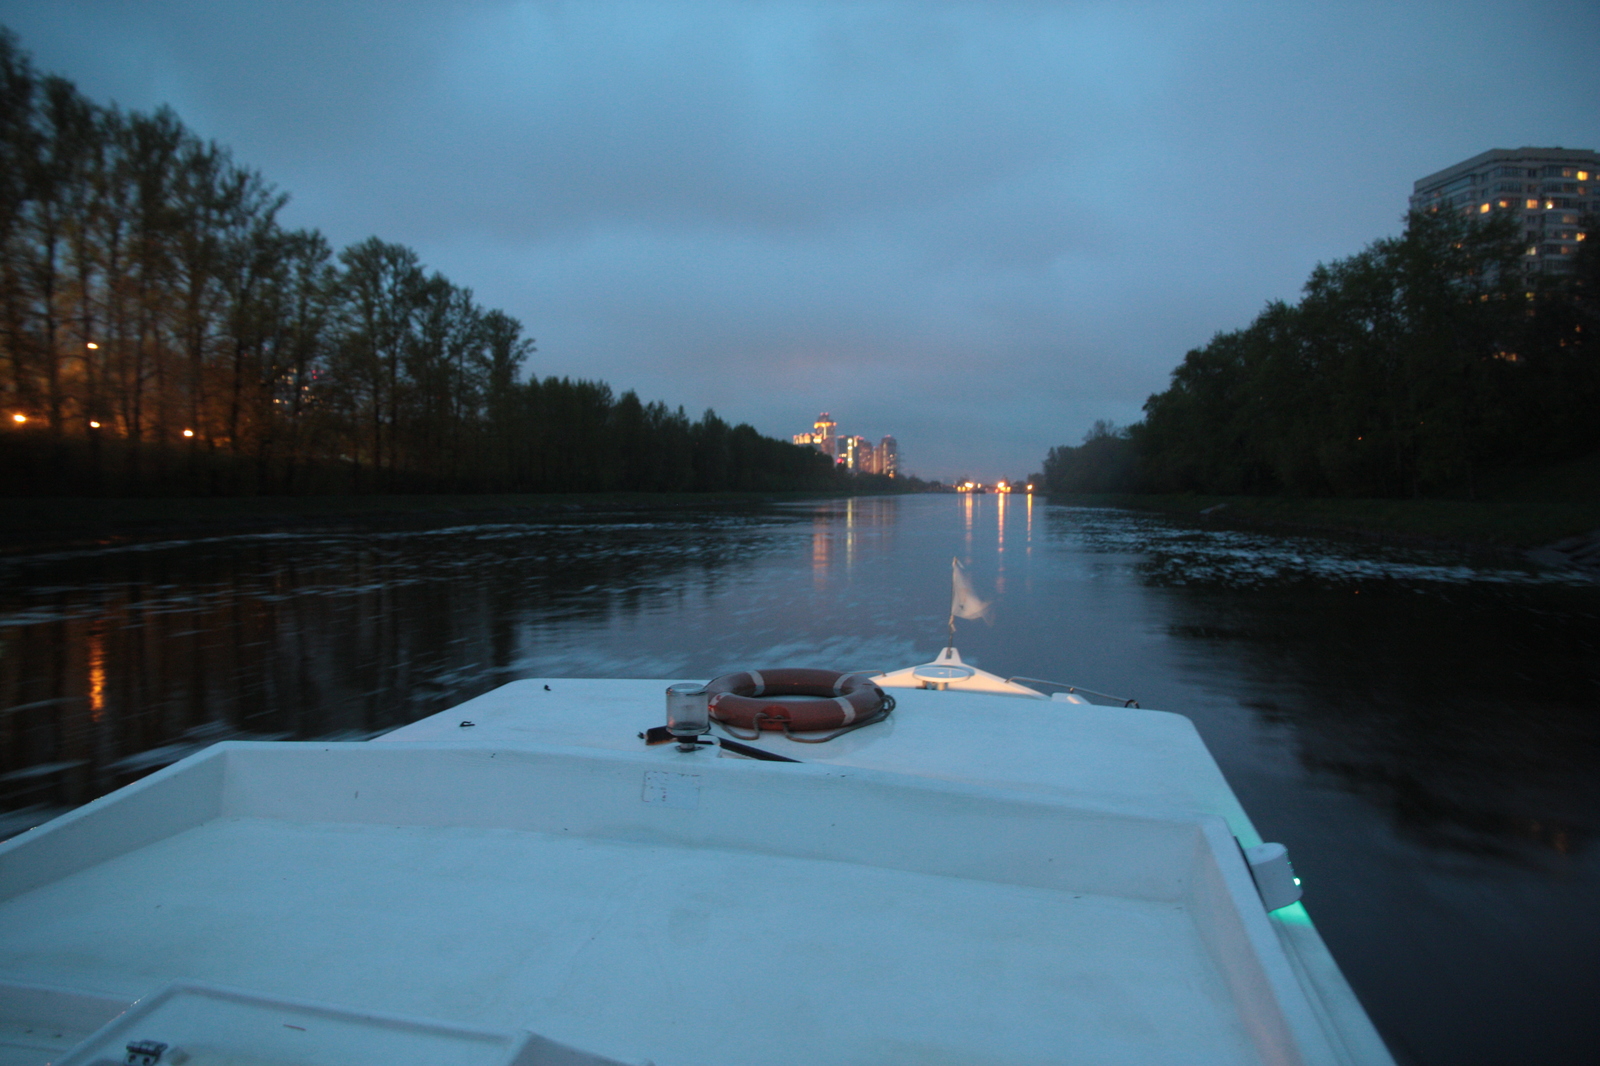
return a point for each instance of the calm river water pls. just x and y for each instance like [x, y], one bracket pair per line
[1420, 727]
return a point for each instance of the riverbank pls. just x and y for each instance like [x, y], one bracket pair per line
[1493, 524]
[1516, 510]
[1554, 519]
[33, 523]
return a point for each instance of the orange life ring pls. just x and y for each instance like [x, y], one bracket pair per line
[754, 698]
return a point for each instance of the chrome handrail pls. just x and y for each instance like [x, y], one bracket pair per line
[1076, 688]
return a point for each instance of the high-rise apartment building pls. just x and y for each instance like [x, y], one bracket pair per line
[851, 451]
[821, 435]
[1548, 190]
[855, 453]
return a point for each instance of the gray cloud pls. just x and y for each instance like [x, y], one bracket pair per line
[975, 226]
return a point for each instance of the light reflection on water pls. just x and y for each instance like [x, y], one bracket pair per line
[1418, 725]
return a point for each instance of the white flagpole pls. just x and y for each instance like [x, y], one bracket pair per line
[955, 596]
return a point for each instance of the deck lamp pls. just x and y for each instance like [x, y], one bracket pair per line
[688, 714]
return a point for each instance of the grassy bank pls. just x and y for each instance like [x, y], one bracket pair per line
[1522, 511]
[1486, 523]
[38, 522]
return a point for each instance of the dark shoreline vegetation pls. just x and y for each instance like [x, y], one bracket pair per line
[1424, 387]
[162, 335]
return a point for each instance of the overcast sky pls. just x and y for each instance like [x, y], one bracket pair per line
[978, 227]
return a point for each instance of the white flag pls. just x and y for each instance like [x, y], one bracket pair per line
[964, 603]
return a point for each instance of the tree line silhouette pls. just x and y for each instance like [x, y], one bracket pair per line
[1414, 368]
[161, 332]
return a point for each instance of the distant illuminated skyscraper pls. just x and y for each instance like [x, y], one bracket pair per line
[850, 450]
[821, 435]
[823, 430]
[856, 454]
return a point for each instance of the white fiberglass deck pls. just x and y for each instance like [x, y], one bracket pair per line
[750, 958]
[1102, 754]
[646, 904]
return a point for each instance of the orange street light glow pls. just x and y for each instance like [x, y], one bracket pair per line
[91, 345]
[188, 433]
[19, 419]
[94, 425]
